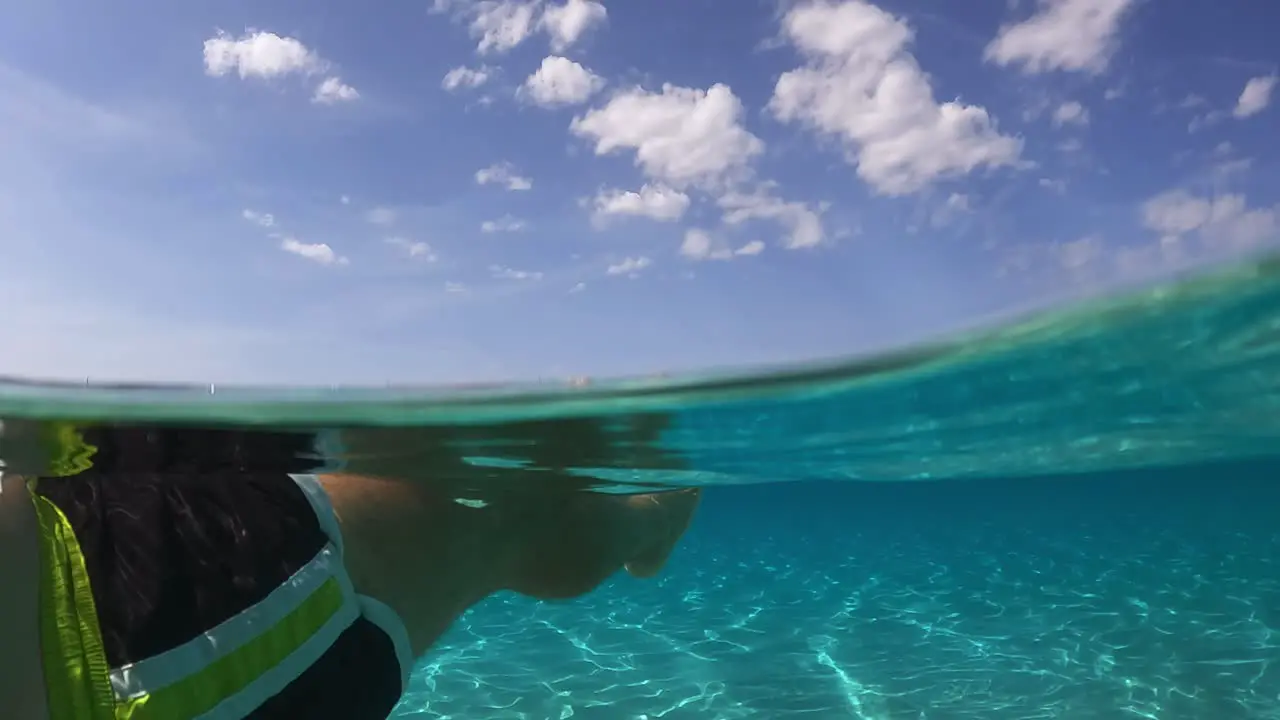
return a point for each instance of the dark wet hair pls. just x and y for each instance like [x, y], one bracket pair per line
[192, 450]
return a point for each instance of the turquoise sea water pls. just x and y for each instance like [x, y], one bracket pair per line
[1074, 515]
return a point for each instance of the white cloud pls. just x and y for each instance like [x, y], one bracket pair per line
[1078, 35]
[414, 249]
[1079, 254]
[1175, 212]
[454, 287]
[503, 174]
[501, 25]
[266, 55]
[561, 81]
[333, 90]
[701, 245]
[956, 205]
[465, 77]
[1207, 120]
[804, 225]
[316, 252]
[1192, 101]
[1223, 221]
[656, 201]
[697, 244]
[258, 54]
[1070, 113]
[681, 136]
[345, 199]
[262, 219]
[381, 216]
[1056, 185]
[630, 266]
[568, 22]
[862, 85]
[506, 273]
[503, 224]
[1255, 97]
[1225, 171]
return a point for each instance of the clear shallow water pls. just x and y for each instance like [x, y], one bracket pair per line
[1137, 595]
[1090, 530]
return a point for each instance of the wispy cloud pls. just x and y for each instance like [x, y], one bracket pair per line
[504, 174]
[630, 267]
[414, 249]
[505, 273]
[505, 224]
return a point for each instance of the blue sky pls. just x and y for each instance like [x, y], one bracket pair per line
[451, 190]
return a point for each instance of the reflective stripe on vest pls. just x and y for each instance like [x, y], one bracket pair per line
[223, 674]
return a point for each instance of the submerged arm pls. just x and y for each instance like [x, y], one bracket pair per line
[430, 558]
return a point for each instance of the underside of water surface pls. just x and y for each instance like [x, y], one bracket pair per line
[1091, 530]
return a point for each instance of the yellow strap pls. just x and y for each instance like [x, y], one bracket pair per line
[199, 693]
[69, 453]
[76, 674]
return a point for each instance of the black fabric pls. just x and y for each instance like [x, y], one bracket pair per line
[358, 679]
[181, 529]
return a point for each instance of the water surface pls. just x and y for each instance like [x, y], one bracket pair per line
[1072, 515]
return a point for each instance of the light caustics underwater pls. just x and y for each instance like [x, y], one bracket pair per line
[1075, 515]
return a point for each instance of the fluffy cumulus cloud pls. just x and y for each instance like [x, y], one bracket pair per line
[1071, 35]
[258, 54]
[266, 55]
[861, 85]
[560, 81]
[319, 253]
[465, 77]
[1224, 221]
[681, 136]
[502, 25]
[566, 23]
[503, 174]
[332, 90]
[655, 201]
[1255, 97]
